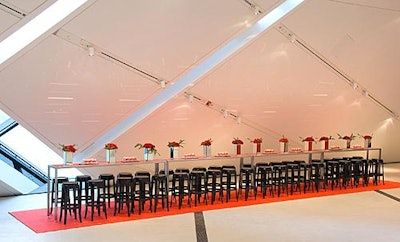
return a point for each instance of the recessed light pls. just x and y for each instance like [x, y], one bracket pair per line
[63, 84]
[56, 112]
[60, 98]
[320, 95]
[91, 121]
[128, 100]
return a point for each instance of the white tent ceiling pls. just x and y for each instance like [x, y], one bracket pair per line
[295, 79]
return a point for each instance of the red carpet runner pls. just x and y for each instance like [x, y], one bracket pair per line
[38, 221]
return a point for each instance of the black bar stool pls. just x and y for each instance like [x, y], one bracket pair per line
[160, 187]
[198, 184]
[345, 173]
[292, 176]
[317, 174]
[246, 181]
[60, 181]
[109, 182]
[123, 195]
[379, 171]
[332, 173]
[263, 178]
[181, 186]
[142, 189]
[279, 177]
[303, 169]
[213, 178]
[96, 198]
[84, 186]
[70, 200]
[229, 181]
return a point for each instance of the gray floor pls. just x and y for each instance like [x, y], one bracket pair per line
[367, 216]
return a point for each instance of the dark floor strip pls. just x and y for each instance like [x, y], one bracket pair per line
[388, 195]
[201, 232]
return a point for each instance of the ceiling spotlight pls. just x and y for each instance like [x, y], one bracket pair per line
[162, 84]
[256, 10]
[91, 51]
[191, 98]
[364, 93]
[239, 120]
[225, 113]
[292, 37]
[355, 85]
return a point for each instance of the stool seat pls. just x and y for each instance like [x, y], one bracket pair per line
[125, 174]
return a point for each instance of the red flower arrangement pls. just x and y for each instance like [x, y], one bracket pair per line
[365, 136]
[149, 146]
[324, 138]
[351, 137]
[367, 140]
[176, 144]
[308, 146]
[308, 139]
[207, 142]
[257, 144]
[283, 139]
[237, 141]
[256, 140]
[110, 146]
[68, 148]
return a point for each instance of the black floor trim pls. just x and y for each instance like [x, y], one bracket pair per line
[201, 232]
[388, 195]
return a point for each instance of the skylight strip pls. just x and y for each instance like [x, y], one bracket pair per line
[36, 27]
[197, 72]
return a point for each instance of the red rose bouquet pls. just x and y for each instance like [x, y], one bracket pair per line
[207, 142]
[176, 144]
[110, 146]
[68, 148]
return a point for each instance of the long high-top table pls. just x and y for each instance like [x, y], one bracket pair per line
[165, 162]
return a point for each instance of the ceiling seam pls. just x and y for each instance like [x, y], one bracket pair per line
[365, 6]
[12, 10]
[233, 115]
[84, 44]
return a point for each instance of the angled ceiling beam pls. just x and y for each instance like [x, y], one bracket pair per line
[196, 73]
[30, 31]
